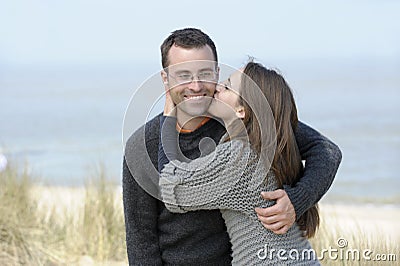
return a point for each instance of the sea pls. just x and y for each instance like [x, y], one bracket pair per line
[66, 123]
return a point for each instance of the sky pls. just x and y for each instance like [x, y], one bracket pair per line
[101, 32]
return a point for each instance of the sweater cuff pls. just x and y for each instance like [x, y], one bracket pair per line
[168, 182]
[299, 199]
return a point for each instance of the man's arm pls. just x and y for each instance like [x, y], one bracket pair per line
[322, 158]
[141, 215]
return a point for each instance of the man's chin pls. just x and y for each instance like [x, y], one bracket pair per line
[194, 109]
[195, 112]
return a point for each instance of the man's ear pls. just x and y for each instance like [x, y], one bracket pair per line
[240, 112]
[217, 70]
[164, 77]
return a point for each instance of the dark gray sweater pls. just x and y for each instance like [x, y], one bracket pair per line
[156, 236]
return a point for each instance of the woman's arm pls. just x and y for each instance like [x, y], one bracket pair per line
[219, 180]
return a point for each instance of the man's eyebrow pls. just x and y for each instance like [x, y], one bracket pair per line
[182, 71]
[206, 69]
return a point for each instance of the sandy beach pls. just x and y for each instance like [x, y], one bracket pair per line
[64, 202]
[374, 220]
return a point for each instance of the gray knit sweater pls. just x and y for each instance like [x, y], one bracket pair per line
[230, 179]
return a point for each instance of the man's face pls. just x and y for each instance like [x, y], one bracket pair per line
[192, 97]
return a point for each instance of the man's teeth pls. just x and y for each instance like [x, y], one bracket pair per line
[194, 97]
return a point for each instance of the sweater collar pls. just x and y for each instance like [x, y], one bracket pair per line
[186, 131]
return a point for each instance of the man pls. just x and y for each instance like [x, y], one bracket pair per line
[156, 236]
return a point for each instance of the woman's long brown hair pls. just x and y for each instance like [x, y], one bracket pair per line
[286, 163]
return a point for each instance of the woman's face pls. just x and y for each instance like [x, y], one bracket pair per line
[226, 99]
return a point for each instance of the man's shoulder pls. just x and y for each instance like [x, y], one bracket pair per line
[150, 131]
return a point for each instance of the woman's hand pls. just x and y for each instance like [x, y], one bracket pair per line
[169, 107]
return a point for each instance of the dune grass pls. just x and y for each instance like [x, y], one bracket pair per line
[32, 236]
[93, 233]
[340, 245]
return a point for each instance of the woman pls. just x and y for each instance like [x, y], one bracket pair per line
[230, 178]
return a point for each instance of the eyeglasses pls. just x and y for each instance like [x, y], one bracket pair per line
[187, 77]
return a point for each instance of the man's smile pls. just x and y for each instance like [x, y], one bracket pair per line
[195, 96]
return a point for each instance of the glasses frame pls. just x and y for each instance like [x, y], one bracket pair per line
[192, 78]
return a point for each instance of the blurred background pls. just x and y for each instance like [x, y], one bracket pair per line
[68, 70]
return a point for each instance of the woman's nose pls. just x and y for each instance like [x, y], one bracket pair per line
[219, 88]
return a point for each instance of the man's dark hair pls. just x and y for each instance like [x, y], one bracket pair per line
[186, 38]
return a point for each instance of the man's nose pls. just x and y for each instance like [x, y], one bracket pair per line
[195, 85]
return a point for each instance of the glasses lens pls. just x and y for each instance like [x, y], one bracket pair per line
[207, 76]
[189, 77]
[184, 77]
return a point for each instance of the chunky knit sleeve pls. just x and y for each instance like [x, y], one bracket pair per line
[220, 180]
